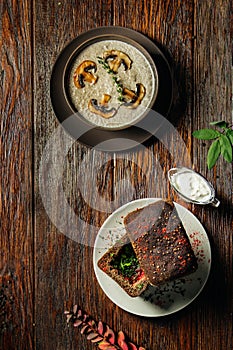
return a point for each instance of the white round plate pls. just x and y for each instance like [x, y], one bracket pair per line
[170, 297]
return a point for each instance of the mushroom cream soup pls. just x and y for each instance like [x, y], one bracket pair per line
[100, 95]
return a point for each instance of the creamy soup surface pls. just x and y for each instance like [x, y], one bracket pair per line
[140, 72]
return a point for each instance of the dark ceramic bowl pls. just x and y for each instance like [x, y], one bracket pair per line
[103, 137]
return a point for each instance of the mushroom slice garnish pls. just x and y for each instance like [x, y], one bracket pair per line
[101, 108]
[115, 58]
[83, 74]
[105, 99]
[133, 98]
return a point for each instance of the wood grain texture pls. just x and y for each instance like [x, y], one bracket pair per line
[212, 101]
[16, 265]
[50, 274]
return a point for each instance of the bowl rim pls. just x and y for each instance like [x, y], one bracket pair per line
[120, 38]
[96, 136]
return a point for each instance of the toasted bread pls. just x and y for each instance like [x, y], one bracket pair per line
[160, 242]
[121, 264]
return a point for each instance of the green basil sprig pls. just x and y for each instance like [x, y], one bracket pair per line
[222, 144]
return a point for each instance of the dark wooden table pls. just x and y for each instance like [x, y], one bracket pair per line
[43, 272]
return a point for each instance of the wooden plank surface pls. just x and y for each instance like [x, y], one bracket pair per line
[16, 264]
[49, 243]
[212, 101]
[50, 275]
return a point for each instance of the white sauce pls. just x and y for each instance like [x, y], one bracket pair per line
[140, 72]
[192, 186]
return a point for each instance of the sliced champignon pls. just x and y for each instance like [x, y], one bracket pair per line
[83, 73]
[101, 109]
[104, 100]
[133, 98]
[115, 58]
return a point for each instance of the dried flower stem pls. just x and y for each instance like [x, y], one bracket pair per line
[99, 334]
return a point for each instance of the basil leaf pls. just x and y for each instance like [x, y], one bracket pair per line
[206, 134]
[213, 154]
[220, 124]
[229, 134]
[226, 148]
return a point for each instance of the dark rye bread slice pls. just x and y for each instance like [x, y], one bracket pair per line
[133, 282]
[160, 242]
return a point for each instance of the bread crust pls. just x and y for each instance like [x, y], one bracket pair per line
[160, 242]
[132, 286]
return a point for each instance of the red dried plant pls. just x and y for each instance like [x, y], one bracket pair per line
[99, 333]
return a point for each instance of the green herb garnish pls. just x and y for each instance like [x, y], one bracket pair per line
[126, 261]
[140, 286]
[222, 144]
[115, 79]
